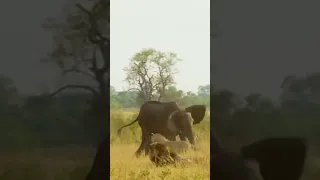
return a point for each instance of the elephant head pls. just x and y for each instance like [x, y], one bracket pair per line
[181, 121]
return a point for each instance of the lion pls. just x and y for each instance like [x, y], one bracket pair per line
[175, 146]
[161, 155]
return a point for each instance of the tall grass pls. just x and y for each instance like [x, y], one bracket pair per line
[124, 165]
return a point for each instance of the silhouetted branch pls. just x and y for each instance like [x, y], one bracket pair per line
[76, 70]
[94, 35]
[83, 9]
[85, 87]
[132, 89]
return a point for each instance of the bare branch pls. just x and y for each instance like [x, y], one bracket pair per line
[76, 70]
[83, 9]
[94, 35]
[85, 87]
[130, 89]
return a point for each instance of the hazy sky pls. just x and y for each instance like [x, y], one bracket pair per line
[168, 25]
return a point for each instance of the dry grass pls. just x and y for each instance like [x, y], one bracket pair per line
[125, 166]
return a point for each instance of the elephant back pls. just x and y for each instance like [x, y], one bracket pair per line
[154, 114]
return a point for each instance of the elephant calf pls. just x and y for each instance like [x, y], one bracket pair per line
[176, 146]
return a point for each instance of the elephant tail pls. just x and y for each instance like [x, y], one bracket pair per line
[119, 130]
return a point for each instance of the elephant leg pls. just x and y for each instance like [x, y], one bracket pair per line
[144, 137]
[182, 137]
[146, 144]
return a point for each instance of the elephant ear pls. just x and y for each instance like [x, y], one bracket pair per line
[197, 112]
[171, 123]
[278, 158]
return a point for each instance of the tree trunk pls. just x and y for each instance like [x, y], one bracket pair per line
[100, 109]
[105, 52]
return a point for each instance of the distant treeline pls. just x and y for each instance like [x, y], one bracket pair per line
[134, 99]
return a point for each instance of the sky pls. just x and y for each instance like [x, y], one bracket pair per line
[171, 26]
[258, 42]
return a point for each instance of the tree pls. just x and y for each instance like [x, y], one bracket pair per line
[151, 72]
[124, 99]
[81, 45]
[173, 94]
[224, 103]
[252, 101]
[113, 91]
[8, 92]
[114, 101]
[301, 92]
[204, 90]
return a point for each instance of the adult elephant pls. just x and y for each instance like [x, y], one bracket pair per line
[168, 119]
[279, 158]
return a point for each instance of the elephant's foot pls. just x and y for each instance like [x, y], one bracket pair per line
[146, 153]
[138, 154]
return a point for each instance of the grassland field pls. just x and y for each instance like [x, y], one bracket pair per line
[124, 166]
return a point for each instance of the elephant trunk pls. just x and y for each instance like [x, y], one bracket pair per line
[190, 135]
[191, 140]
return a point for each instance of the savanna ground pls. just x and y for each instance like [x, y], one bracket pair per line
[124, 165]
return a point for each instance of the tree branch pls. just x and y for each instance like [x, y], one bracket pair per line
[78, 71]
[130, 89]
[85, 87]
[83, 9]
[93, 33]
